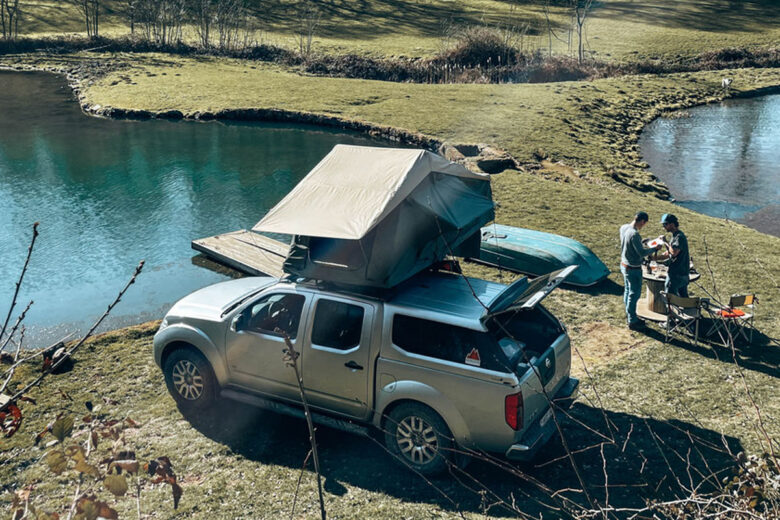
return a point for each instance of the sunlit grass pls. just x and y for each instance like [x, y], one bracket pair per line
[592, 127]
[617, 29]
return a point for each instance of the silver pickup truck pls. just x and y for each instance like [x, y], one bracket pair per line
[440, 363]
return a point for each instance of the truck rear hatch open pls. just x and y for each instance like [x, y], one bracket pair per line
[524, 294]
[533, 340]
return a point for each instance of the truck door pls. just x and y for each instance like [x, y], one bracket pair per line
[253, 346]
[336, 358]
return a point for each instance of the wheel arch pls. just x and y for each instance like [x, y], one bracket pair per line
[185, 337]
[414, 392]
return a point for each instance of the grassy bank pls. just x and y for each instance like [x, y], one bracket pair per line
[239, 462]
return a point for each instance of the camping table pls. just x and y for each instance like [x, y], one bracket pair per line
[652, 306]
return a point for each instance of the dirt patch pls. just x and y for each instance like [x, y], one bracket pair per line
[558, 170]
[599, 343]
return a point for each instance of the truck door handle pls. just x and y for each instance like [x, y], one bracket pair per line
[353, 365]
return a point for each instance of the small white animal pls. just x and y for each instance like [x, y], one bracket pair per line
[726, 83]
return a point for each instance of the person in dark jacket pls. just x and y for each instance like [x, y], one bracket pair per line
[632, 252]
[678, 275]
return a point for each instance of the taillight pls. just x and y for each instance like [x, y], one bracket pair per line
[513, 410]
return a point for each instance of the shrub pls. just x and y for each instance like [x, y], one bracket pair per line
[479, 55]
[480, 46]
[557, 68]
[731, 57]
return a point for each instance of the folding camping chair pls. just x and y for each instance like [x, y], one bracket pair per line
[733, 319]
[683, 315]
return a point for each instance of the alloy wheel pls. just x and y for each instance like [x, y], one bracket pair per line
[187, 380]
[417, 440]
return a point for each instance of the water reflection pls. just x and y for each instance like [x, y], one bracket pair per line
[723, 161]
[110, 193]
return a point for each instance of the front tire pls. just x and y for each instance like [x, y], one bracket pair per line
[190, 380]
[419, 437]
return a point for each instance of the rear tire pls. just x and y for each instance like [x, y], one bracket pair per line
[419, 438]
[190, 380]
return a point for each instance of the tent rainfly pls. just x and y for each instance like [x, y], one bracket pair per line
[374, 217]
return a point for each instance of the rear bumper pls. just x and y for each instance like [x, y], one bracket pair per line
[543, 428]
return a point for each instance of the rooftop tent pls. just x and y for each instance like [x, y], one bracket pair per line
[376, 216]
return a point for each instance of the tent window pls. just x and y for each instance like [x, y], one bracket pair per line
[337, 325]
[343, 254]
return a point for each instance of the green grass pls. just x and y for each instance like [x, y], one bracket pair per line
[243, 463]
[625, 29]
[239, 462]
[617, 29]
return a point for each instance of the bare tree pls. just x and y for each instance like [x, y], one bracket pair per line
[203, 14]
[171, 17]
[226, 18]
[162, 20]
[309, 17]
[513, 32]
[146, 12]
[579, 14]
[10, 13]
[550, 27]
[230, 19]
[130, 12]
[90, 10]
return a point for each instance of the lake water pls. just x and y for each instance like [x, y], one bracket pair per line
[723, 161]
[109, 193]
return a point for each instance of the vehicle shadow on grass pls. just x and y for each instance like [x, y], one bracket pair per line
[760, 355]
[606, 286]
[639, 458]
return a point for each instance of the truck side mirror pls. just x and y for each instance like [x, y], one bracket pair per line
[238, 322]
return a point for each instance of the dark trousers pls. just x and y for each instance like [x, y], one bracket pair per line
[677, 285]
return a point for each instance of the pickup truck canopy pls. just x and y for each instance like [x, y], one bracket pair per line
[371, 216]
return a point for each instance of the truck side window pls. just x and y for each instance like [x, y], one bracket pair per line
[276, 311]
[448, 342]
[337, 324]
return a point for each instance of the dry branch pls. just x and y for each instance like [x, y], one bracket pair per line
[72, 349]
[21, 278]
[291, 360]
[13, 330]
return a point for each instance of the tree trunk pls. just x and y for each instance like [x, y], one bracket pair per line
[12, 22]
[85, 9]
[96, 6]
[581, 13]
[2, 16]
[14, 33]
